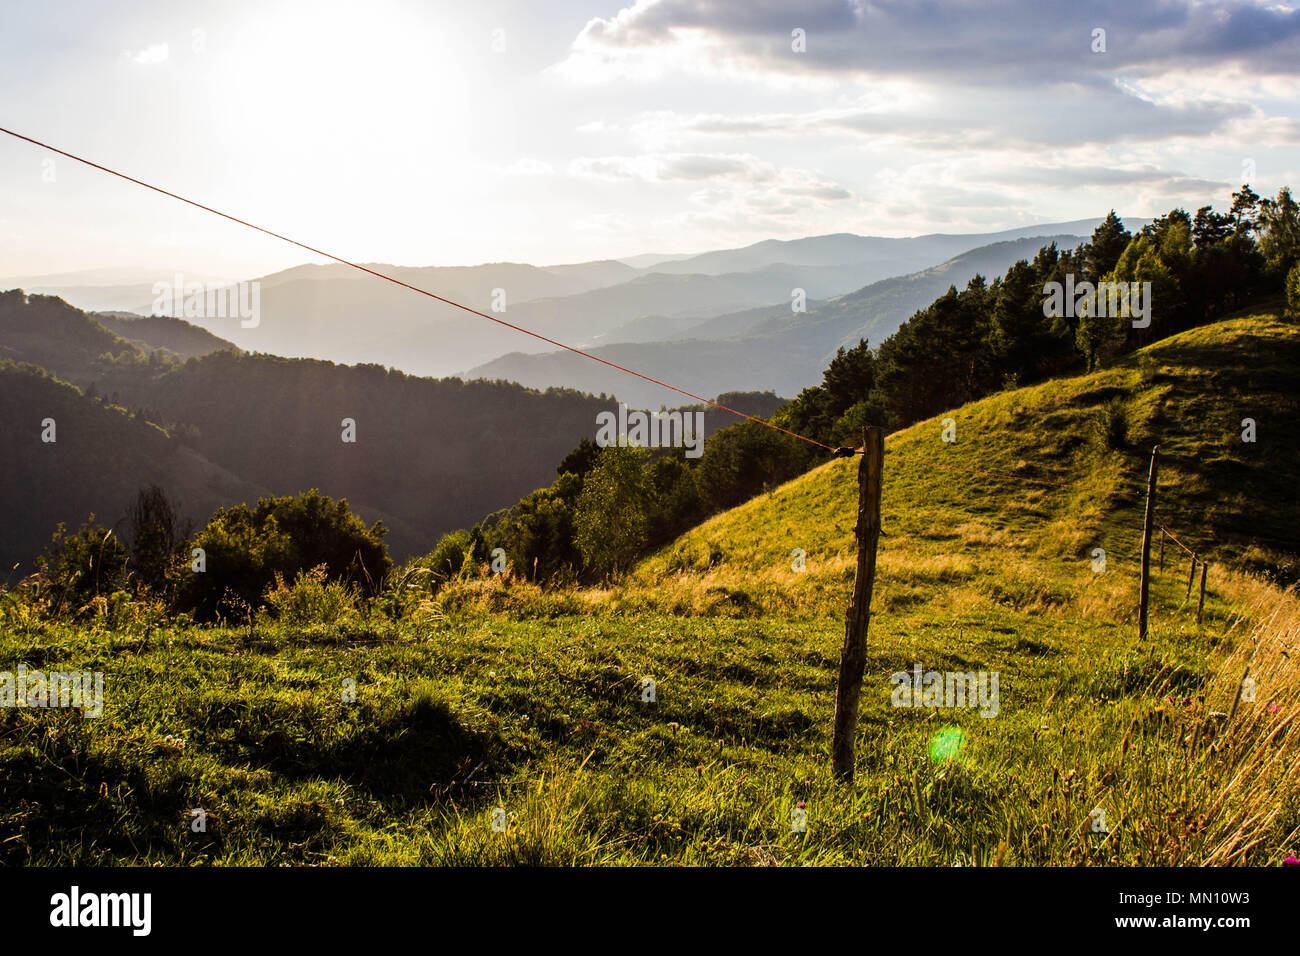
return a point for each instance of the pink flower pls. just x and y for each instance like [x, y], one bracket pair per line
[1273, 708]
[1291, 860]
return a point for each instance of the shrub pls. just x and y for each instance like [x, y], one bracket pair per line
[452, 555]
[156, 541]
[1113, 424]
[82, 566]
[612, 521]
[311, 599]
[680, 559]
[407, 593]
[245, 548]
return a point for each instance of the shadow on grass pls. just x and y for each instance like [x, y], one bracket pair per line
[419, 753]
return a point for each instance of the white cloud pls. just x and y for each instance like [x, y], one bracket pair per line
[527, 166]
[154, 53]
[726, 193]
[742, 168]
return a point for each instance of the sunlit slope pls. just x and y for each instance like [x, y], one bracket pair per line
[1035, 479]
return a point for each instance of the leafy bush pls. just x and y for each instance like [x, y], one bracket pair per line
[312, 598]
[82, 566]
[407, 594]
[244, 549]
[453, 554]
[685, 559]
[612, 521]
[157, 541]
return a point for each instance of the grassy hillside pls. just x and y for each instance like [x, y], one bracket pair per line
[1049, 472]
[501, 695]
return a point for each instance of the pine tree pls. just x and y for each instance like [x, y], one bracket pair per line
[1108, 242]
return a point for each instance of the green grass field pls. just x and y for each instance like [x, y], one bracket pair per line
[495, 694]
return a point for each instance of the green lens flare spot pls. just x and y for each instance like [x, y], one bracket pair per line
[946, 744]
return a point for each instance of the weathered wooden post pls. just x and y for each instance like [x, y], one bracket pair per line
[1191, 576]
[1200, 606]
[853, 658]
[1147, 523]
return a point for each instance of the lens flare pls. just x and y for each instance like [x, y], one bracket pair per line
[946, 744]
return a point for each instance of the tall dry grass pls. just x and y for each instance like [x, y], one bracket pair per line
[1257, 751]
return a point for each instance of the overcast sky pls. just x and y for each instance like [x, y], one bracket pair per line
[445, 133]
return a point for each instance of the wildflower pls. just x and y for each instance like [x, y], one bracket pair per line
[1273, 708]
[1291, 860]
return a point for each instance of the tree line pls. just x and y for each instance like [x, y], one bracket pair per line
[992, 335]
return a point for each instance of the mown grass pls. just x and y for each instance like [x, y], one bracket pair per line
[500, 695]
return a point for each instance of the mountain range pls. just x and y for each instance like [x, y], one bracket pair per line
[765, 348]
[334, 313]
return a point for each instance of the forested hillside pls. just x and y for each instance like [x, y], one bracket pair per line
[99, 457]
[428, 455]
[176, 336]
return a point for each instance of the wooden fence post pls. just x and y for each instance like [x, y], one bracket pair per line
[1191, 576]
[1145, 588]
[1200, 606]
[853, 657]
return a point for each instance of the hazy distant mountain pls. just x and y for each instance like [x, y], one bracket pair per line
[648, 260]
[342, 316]
[764, 348]
[596, 274]
[98, 289]
[335, 313]
[475, 283]
[136, 297]
[884, 256]
[631, 308]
